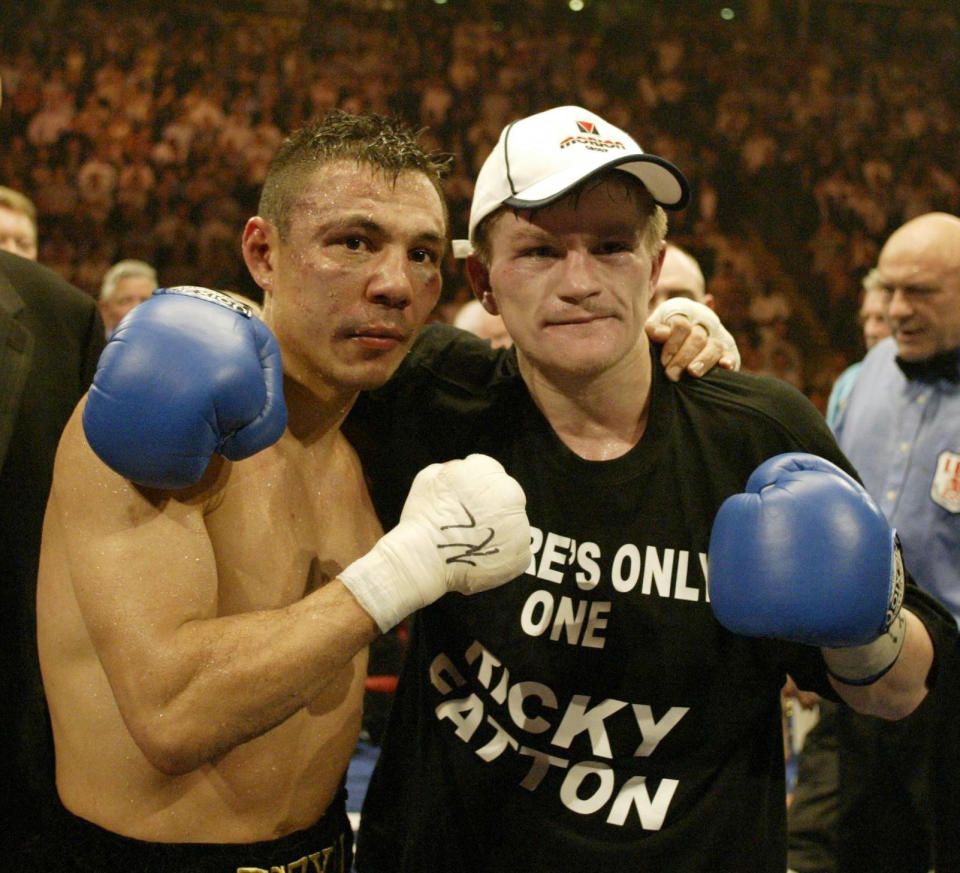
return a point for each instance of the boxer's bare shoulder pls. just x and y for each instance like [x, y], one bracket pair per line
[143, 594]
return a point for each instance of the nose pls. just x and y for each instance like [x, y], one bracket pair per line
[578, 280]
[391, 284]
[900, 306]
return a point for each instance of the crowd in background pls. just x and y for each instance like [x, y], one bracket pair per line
[145, 133]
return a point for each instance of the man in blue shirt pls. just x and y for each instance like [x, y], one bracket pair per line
[873, 322]
[901, 424]
[901, 429]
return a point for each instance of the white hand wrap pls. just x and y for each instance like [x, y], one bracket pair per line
[463, 528]
[698, 313]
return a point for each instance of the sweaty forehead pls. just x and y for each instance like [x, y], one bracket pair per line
[343, 188]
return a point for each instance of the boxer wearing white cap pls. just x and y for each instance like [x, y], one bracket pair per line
[213, 569]
[607, 710]
[544, 156]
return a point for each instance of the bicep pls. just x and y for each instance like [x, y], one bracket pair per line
[140, 564]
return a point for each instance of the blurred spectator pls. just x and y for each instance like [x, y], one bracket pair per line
[680, 276]
[18, 224]
[474, 318]
[125, 285]
[874, 303]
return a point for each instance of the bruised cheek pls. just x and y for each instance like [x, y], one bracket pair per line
[319, 285]
[430, 294]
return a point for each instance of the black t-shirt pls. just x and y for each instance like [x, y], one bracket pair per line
[591, 714]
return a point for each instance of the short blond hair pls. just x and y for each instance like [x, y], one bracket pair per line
[655, 226]
[17, 202]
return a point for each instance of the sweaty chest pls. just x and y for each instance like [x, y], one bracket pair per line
[284, 529]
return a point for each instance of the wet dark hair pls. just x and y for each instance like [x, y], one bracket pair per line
[382, 142]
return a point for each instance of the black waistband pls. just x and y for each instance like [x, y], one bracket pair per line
[78, 845]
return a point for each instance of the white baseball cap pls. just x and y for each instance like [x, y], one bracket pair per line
[540, 158]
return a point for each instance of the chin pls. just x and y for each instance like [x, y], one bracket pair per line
[371, 375]
[910, 352]
[576, 366]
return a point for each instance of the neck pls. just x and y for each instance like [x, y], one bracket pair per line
[312, 417]
[943, 365]
[597, 416]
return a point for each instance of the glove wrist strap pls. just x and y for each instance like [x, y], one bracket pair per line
[862, 665]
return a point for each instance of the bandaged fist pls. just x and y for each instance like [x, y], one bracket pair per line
[463, 528]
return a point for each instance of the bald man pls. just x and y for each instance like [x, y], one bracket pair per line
[900, 428]
[681, 276]
[475, 319]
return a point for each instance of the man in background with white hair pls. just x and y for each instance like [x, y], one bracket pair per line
[125, 285]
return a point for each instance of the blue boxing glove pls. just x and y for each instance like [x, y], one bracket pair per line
[806, 555]
[187, 374]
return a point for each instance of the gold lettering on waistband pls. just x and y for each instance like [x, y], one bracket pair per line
[315, 862]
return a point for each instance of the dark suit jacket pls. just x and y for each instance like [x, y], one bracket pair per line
[51, 336]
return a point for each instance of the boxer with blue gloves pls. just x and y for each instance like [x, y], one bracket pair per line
[203, 618]
[805, 554]
[213, 567]
[594, 714]
[228, 389]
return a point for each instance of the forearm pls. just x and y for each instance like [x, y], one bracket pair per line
[224, 681]
[903, 687]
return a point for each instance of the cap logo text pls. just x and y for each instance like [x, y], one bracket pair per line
[593, 143]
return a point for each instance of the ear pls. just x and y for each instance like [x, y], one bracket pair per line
[655, 266]
[479, 277]
[709, 301]
[258, 245]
